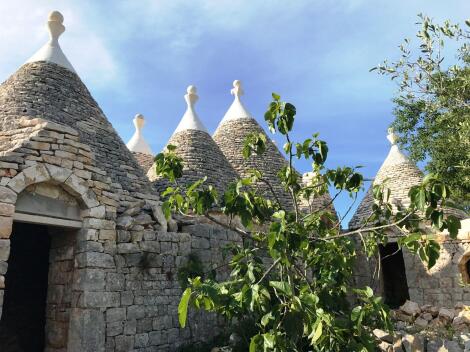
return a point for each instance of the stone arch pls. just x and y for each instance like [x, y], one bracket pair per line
[93, 218]
[464, 267]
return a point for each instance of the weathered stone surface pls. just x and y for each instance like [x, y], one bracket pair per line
[90, 299]
[446, 314]
[383, 335]
[89, 279]
[125, 222]
[7, 195]
[411, 308]
[87, 330]
[6, 224]
[4, 249]
[413, 343]
[58, 174]
[115, 314]
[159, 216]
[94, 260]
[439, 345]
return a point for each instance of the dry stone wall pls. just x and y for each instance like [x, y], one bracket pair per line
[113, 284]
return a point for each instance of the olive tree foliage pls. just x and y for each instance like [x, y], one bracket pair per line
[432, 106]
[291, 277]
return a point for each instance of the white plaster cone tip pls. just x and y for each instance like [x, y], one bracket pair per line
[190, 120]
[137, 143]
[51, 51]
[395, 156]
[237, 110]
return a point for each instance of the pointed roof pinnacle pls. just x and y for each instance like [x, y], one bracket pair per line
[237, 110]
[51, 51]
[395, 156]
[137, 143]
[190, 120]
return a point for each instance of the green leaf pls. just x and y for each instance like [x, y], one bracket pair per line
[255, 342]
[318, 332]
[281, 286]
[183, 307]
[276, 97]
[453, 226]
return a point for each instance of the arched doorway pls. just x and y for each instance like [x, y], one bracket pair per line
[38, 282]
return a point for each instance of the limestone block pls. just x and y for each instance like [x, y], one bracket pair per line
[141, 340]
[89, 280]
[7, 195]
[98, 212]
[383, 335]
[89, 299]
[135, 312]
[124, 222]
[127, 298]
[76, 185]
[107, 235]
[114, 328]
[159, 216]
[143, 219]
[87, 330]
[115, 314]
[115, 282]
[126, 248]
[58, 174]
[410, 308]
[94, 259]
[34, 174]
[123, 236]
[6, 224]
[4, 249]
[446, 314]
[3, 268]
[5, 165]
[124, 343]
[172, 225]
[99, 224]
[90, 199]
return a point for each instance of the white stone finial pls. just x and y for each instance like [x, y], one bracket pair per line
[137, 143]
[190, 120]
[237, 110]
[237, 89]
[392, 136]
[395, 156]
[55, 26]
[51, 51]
[191, 97]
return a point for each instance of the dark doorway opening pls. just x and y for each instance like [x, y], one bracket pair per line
[395, 286]
[23, 319]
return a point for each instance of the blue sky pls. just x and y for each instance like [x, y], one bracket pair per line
[139, 57]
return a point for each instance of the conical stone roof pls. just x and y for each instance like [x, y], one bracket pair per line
[399, 173]
[48, 87]
[230, 135]
[201, 155]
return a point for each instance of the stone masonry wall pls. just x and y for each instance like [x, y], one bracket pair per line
[112, 284]
[147, 265]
